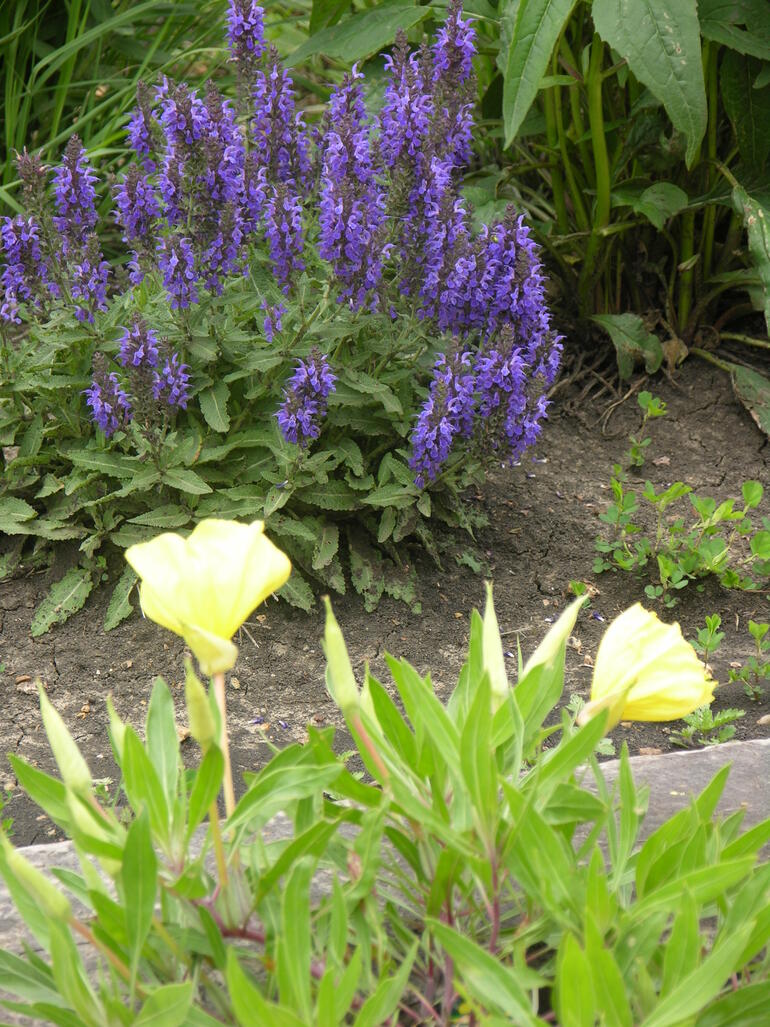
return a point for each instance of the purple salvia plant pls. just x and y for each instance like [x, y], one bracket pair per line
[75, 197]
[25, 277]
[407, 109]
[176, 262]
[305, 399]
[138, 345]
[109, 403]
[88, 275]
[273, 321]
[447, 412]
[352, 202]
[453, 85]
[142, 126]
[246, 39]
[284, 232]
[172, 383]
[280, 140]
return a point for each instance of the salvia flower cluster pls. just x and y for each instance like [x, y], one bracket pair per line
[380, 198]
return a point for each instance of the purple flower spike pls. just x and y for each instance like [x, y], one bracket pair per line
[454, 49]
[25, 277]
[75, 196]
[273, 319]
[88, 280]
[280, 140]
[138, 345]
[140, 126]
[406, 112]
[284, 232]
[137, 206]
[447, 412]
[176, 262]
[305, 399]
[110, 406]
[172, 384]
[245, 31]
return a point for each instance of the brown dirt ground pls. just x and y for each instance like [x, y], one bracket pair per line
[542, 525]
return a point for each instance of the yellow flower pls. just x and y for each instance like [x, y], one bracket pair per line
[645, 670]
[203, 587]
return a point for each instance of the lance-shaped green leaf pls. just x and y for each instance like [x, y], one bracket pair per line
[661, 42]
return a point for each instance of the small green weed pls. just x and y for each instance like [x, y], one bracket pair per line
[709, 638]
[704, 727]
[713, 538]
[651, 407]
[757, 667]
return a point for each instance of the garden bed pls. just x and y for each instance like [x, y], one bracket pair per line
[543, 519]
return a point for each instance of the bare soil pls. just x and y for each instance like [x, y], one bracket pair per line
[542, 522]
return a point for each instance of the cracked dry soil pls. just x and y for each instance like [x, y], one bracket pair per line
[543, 519]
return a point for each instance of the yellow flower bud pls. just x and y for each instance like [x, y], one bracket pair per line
[72, 767]
[203, 587]
[199, 715]
[645, 670]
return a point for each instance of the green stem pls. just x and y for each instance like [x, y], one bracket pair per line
[601, 214]
[710, 358]
[710, 215]
[557, 182]
[569, 172]
[687, 251]
[747, 340]
[224, 745]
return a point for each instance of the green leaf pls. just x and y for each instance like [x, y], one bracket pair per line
[746, 1007]
[575, 1001]
[213, 403]
[186, 481]
[484, 977]
[166, 1006]
[397, 496]
[753, 390]
[249, 1006]
[20, 977]
[293, 948]
[139, 875]
[297, 592]
[632, 342]
[661, 42]
[703, 984]
[756, 218]
[70, 975]
[760, 545]
[381, 1004]
[64, 598]
[276, 786]
[362, 35]
[162, 739]
[13, 509]
[682, 952]
[142, 784]
[326, 12]
[748, 108]
[657, 202]
[326, 546]
[103, 462]
[530, 32]
[477, 758]
[334, 495]
[170, 515]
[739, 24]
[208, 779]
[119, 606]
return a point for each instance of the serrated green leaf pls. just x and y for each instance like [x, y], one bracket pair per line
[297, 592]
[529, 34]
[64, 598]
[213, 404]
[13, 509]
[119, 606]
[186, 481]
[168, 516]
[398, 496]
[661, 42]
[103, 462]
[632, 342]
[741, 25]
[334, 495]
[166, 1006]
[327, 544]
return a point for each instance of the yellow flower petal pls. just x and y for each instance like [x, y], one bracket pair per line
[203, 587]
[645, 670]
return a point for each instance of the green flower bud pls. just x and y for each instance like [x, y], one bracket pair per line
[492, 650]
[72, 767]
[340, 680]
[199, 716]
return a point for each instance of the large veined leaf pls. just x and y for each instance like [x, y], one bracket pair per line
[661, 42]
[748, 108]
[362, 35]
[743, 25]
[756, 218]
[633, 343]
[530, 30]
